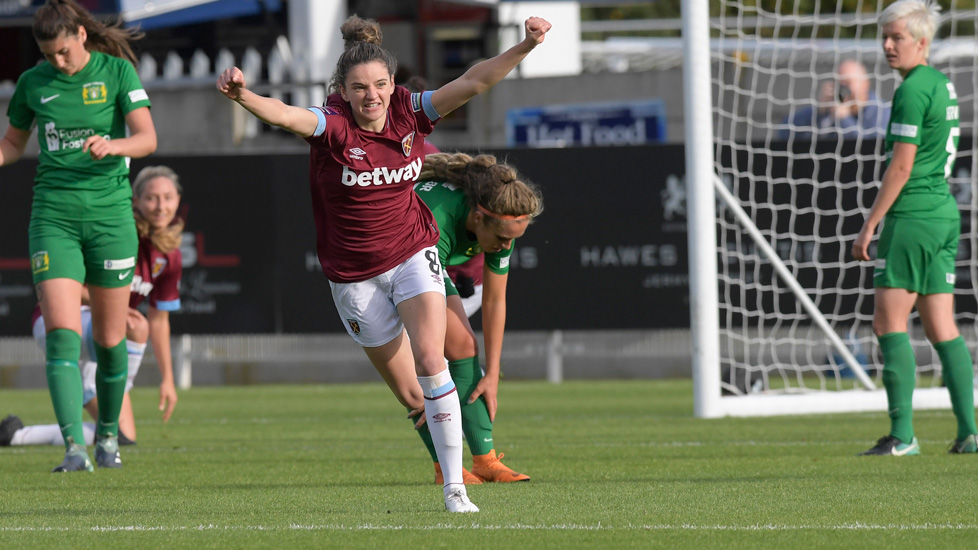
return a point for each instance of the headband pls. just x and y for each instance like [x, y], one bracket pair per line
[506, 217]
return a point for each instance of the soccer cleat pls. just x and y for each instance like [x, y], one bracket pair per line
[891, 446]
[964, 446]
[489, 467]
[8, 427]
[457, 501]
[467, 477]
[107, 452]
[76, 460]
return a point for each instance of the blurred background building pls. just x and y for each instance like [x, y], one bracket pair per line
[289, 48]
[595, 116]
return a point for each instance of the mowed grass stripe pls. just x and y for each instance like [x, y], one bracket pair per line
[614, 463]
[515, 527]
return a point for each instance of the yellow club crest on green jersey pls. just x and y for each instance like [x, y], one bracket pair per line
[40, 262]
[94, 92]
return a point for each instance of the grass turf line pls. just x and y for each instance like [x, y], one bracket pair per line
[619, 463]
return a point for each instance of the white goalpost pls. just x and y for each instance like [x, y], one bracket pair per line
[781, 315]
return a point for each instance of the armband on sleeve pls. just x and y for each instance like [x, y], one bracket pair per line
[429, 109]
[321, 120]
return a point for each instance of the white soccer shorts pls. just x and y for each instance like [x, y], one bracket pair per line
[368, 309]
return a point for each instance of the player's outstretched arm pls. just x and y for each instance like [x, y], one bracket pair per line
[493, 327]
[301, 122]
[159, 336]
[486, 74]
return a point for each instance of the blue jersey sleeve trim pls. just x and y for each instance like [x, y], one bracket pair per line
[169, 305]
[321, 117]
[429, 109]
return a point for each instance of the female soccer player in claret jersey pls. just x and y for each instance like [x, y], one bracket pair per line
[918, 244]
[375, 238]
[92, 115]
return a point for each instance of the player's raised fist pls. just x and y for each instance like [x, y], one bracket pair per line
[231, 82]
[536, 29]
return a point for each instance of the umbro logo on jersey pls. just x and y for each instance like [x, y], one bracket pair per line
[46, 99]
[357, 153]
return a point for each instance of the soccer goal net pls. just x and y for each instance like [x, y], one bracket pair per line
[789, 190]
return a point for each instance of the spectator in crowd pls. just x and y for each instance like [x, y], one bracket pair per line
[847, 107]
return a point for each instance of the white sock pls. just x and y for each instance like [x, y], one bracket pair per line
[136, 351]
[444, 416]
[48, 434]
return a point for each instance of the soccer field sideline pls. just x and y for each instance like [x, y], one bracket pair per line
[614, 463]
[476, 526]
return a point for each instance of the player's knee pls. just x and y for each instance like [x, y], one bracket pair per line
[431, 364]
[137, 327]
[884, 325]
[107, 341]
[461, 348]
[938, 334]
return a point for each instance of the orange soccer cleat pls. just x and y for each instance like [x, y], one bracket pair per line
[467, 477]
[489, 468]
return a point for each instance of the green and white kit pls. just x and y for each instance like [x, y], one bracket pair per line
[79, 203]
[919, 238]
[455, 244]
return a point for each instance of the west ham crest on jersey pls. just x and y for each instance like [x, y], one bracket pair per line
[354, 326]
[158, 265]
[407, 143]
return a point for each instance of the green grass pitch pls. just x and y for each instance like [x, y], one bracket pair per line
[615, 464]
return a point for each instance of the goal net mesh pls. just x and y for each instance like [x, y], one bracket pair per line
[807, 188]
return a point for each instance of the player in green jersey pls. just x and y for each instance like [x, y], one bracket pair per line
[480, 206]
[82, 99]
[919, 239]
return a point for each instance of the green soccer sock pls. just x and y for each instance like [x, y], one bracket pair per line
[62, 348]
[899, 378]
[110, 384]
[425, 437]
[475, 416]
[958, 376]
